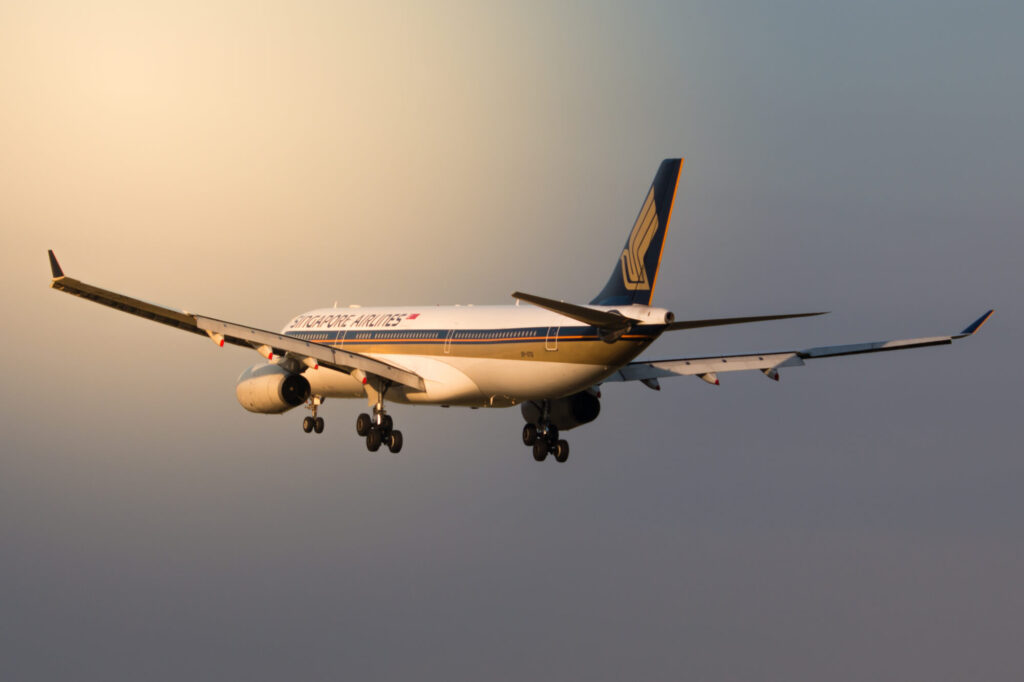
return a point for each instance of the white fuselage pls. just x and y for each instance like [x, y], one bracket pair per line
[493, 356]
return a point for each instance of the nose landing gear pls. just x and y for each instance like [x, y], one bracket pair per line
[313, 423]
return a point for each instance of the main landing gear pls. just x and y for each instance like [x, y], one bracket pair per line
[379, 430]
[543, 438]
[313, 423]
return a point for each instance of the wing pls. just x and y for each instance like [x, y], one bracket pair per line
[708, 368]
[267, 343]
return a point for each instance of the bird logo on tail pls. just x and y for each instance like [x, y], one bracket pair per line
[634, 274]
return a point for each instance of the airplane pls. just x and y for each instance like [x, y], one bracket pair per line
[549, 357]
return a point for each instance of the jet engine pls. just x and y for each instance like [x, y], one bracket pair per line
[269, 389]
[566, 413]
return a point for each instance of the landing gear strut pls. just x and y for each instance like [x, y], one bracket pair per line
[313, 423]
[543, 438]
[379, 429]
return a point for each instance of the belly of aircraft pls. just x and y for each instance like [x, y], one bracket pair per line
[471, 382]
[474, 376]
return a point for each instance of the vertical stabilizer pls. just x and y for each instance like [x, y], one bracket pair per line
[636, 272]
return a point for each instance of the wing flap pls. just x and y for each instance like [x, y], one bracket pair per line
[641, 371]
[341, 360]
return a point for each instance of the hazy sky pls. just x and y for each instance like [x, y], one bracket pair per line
[862, 519]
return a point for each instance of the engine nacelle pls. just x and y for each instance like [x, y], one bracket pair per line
[567, 413]
[269, 389]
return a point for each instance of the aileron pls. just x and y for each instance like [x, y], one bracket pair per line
[134, 306]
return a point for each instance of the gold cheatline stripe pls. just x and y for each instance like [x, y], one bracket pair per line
[478, 340]
[582, 351]
[484, 340]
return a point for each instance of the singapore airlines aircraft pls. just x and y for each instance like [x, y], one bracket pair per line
[548, 356]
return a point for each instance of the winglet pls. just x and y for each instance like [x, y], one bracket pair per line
[976, 325]
[55, 266]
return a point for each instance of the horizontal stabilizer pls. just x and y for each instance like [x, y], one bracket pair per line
[596, 318]
[694, 324]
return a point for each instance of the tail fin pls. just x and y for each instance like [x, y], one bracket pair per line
[636, 273]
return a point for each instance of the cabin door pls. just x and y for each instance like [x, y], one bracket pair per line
[551, 342]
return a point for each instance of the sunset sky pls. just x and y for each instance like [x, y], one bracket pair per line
[861, 519]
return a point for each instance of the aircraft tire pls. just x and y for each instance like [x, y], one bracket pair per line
[387, 423]
[552, 434]
[307, 424]
[540, 450]
[363, 424]
[561, 451]
[374, 439]
[529, 435]
[318, 424]
[395, 441]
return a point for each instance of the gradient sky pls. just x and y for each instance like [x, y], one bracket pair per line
[862, 519]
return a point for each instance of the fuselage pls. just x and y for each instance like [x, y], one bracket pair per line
[488, 356]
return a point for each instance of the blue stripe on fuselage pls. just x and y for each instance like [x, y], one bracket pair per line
[483, 336]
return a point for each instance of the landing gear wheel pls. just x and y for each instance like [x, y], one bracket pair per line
[540, 450]
[561, 451]
[395, 441]
[387, 423]
[374, 439]
[529, 434]
[318, 424]
[307, 424]
[363, 424]
[552, 433]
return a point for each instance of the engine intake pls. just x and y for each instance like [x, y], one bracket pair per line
[566, 413]
[269, 389]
